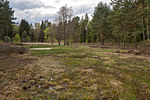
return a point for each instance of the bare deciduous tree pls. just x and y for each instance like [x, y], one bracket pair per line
[52, 33]
[59, 33]
[37, 31]
[65, 14]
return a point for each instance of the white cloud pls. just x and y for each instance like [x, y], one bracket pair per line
[37, 10]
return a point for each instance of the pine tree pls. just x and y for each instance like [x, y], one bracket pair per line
[83, 28]
[100, 23]
[115, 20]
[147, 2]
[6, 19]
[42, 35]
[24, 27]
[125, 21]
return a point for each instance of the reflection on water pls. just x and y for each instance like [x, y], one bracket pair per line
[50, 87]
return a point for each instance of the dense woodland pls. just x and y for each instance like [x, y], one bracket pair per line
[121, 21]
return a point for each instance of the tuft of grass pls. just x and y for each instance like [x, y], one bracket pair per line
[107, 50]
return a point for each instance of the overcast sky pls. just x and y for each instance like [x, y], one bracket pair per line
[38, 10]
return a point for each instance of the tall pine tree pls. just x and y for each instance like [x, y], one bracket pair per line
[6, 20]
[100, 22]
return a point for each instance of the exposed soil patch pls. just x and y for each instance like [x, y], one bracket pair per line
[141, 49]
[9, 49]
[12, 63]
[40, 48]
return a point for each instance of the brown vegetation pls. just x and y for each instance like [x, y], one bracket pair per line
[10, 49]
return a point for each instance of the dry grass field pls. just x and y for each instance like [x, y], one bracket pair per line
[76, 72]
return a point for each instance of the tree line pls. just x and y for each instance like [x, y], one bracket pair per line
[121, 21]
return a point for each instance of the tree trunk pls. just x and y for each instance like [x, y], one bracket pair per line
[143, 29]
[124, 42]
[59, 43]
[68, 38]
[52, 42]
[67, 33]
[67, 43]
[135, 43]
[148, 34]
[119, 40]
[64, 33]
[148, 29]
[7, 33]
[124, 37]
[102, 39]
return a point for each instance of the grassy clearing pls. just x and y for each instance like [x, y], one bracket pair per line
[60, 50]
[115, 75]
[83, 73]
[43, 46]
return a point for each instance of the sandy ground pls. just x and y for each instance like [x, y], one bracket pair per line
[40, 48]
